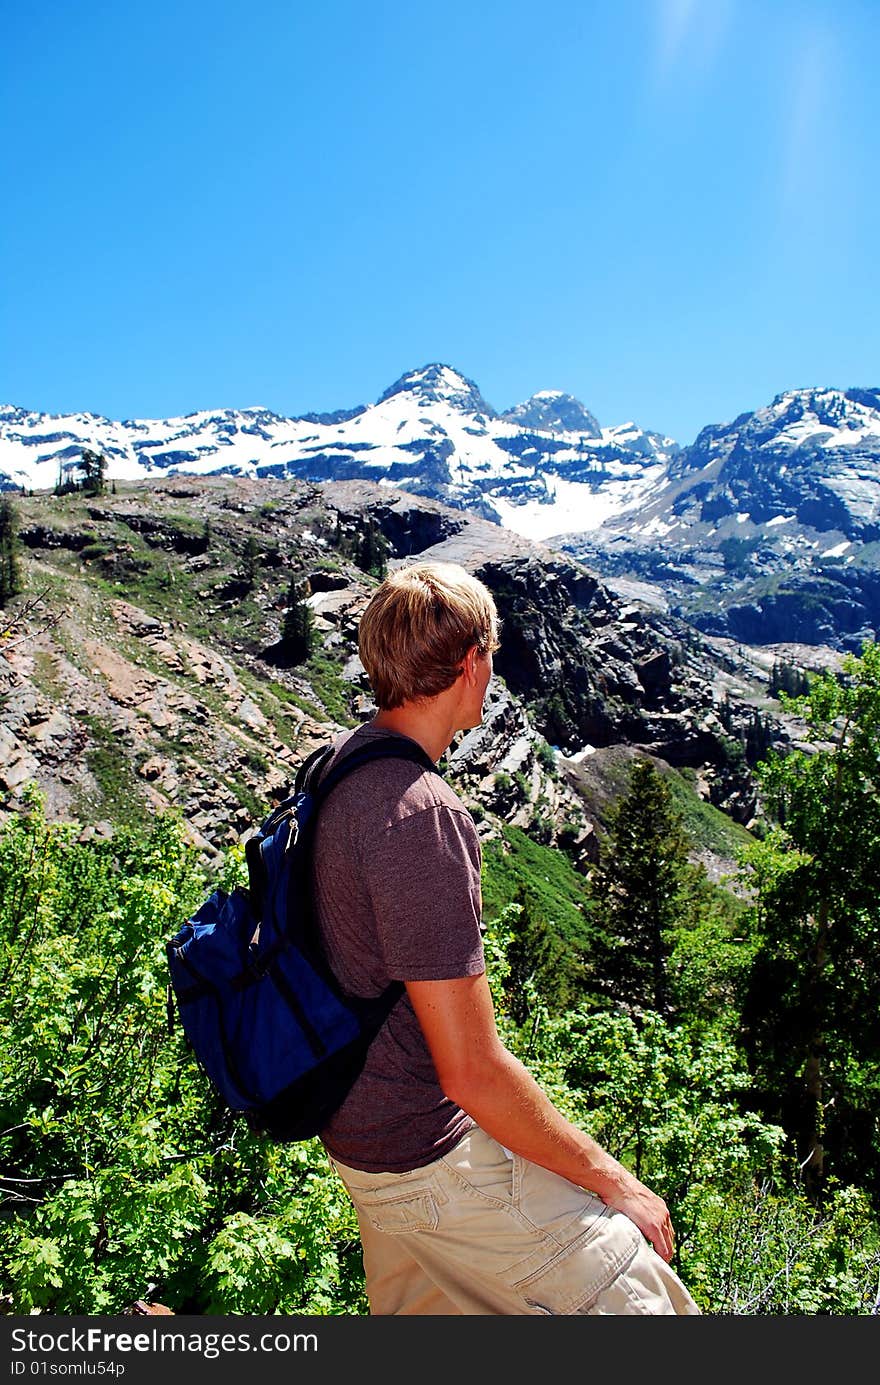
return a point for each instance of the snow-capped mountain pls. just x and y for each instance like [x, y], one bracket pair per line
[542, 467]
[812, 456]
[809, 461]
[766, 527]
[554, 412]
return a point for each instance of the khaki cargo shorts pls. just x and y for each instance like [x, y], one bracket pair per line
[484, 1231]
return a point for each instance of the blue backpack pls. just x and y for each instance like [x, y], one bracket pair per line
[276, 1035]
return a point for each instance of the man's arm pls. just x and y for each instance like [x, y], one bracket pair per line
[483, 1077]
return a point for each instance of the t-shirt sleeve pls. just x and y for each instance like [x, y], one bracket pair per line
[424, 883]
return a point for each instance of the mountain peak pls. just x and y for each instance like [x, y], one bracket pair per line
[436, 383]
[823, 407]
[555, 412]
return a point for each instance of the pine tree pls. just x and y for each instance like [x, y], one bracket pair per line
[639, 890]
[758, 737]
[93, 465]
[534, 959]
[249, 561]
[786, 678]
[371, 554]
[725, 711]
[65, 484]
[11, 580]
[297, 629]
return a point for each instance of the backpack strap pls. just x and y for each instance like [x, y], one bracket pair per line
[311, 767]
[322, 785]
[389, 747]
[308, 780]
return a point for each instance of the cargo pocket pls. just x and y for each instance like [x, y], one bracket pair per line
[575, 1277]
[412, 1211]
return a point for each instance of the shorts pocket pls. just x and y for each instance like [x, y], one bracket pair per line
[401, 1212]
[574, 1278]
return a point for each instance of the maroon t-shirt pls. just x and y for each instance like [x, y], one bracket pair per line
[397, 883]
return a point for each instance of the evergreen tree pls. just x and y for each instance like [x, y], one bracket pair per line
[757, 737]
[639, 890]
[725, 711]
[11, 581]
[249, 561]
[65, 484]
[812, 1017]
[787, 678]
[536, 971]
[297, 629]
[371, 554]
[93, 465]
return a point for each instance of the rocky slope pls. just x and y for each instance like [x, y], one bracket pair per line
[142, 667]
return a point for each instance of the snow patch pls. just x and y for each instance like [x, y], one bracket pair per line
[581, 754]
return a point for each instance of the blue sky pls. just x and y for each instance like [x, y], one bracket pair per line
[668, 208]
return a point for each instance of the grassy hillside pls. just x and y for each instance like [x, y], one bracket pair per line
[717, 839]
[516, 863]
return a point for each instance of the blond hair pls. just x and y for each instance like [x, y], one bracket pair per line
[417, 628]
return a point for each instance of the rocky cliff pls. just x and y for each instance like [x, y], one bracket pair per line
[143, 666]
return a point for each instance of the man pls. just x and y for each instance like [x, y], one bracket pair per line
[474, 1195]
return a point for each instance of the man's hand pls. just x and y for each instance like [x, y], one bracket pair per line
[649, 1212]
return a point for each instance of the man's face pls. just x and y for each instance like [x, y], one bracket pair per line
[474, 705]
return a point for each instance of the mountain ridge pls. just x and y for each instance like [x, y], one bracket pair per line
[766, 528]
[433, 420]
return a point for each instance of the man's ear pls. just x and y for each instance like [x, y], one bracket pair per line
[469, 663]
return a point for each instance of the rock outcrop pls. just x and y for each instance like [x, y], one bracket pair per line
[160, 680]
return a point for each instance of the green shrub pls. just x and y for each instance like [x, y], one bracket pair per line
[120, 1168]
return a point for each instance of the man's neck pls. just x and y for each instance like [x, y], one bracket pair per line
[420, 723]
